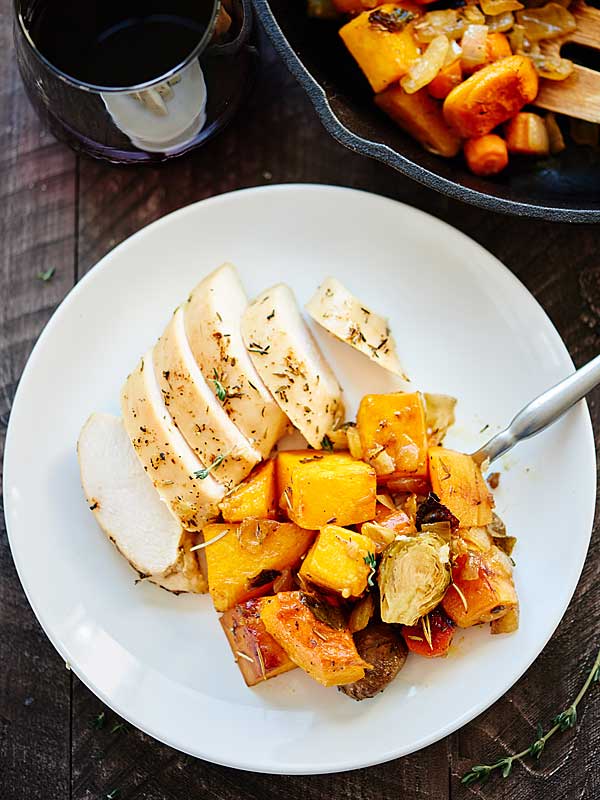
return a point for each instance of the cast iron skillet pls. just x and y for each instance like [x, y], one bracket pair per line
[565, 188]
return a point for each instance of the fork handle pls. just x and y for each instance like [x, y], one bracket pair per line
[543, 411]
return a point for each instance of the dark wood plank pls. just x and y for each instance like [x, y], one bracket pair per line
[37, 226]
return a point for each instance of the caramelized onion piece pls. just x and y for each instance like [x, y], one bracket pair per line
[549, 22]
[424, 69]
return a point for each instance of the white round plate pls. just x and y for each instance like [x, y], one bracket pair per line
[464, 325]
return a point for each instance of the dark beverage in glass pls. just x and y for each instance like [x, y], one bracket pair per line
[135, 80]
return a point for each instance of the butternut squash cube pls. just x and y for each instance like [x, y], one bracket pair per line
[393, 434]
[249, 556]
[255, 497]
[288, 460]
[382, 43]
[336, 489]
[489, 596]
[326, 654]
[258, 655]
[336, 561]
[458, 482]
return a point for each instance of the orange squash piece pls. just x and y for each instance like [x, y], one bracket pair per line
[491, 96]
[458, 482]
[286, 462]
[354, 6]
[527, 135]
[249, 556]
[255, 497]
[382, 43]
[336, 561]
[256, 652]
[393, 434]
[332, 488]
[326, 654]
[484, 598]
[442, 630]
[421, 117]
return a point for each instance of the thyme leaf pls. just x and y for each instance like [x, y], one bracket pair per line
[371, 562]
[46, 274]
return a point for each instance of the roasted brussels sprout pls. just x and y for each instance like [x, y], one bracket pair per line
[413, 577]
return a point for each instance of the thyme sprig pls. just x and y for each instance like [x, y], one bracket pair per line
[562, 722]
[99, 721]
[46, 275]
[220, 390]
[202, 474]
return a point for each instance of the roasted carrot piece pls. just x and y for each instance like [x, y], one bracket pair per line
[497, 46]
[442, 630]
[486, 155]
[526, 134]
[446, 79]
[491, 96]
[421, 117]
[382, 43]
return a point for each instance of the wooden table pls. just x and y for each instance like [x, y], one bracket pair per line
[66, 212]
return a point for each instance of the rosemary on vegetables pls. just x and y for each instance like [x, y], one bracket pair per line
[219, 388]
[99, 721]
[562, 722]
[371, 562]
[327, 444]
[46, 274]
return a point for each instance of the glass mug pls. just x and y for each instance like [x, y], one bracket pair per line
[133, 81]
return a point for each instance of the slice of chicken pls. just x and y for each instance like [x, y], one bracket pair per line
[129, 510]
[172, 465]
[347, 318]
[196, 411]
[289, 361]
[213, 314]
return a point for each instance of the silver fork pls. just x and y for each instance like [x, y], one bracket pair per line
[541, 412]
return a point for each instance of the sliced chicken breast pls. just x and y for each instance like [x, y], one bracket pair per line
[181, 479]
[129, 510]
[196, 411]
[213, 315]
[347, 318]
[289, 361]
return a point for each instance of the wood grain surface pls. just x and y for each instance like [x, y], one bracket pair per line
[61, 211]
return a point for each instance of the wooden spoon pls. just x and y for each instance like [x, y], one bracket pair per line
[579, 94]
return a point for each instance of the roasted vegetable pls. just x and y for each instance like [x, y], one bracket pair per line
[527, 135]
[424, 68]
[385, 650]
[446, 79]
[491, 96]
[287, 460]
[486, 155]
[361, 613]
[339, 561]
[326, 654]
[420, 116]
[413, 577]
[255, 497]
[256, 652]
[382, 43]
[393, 434]
[432, 512]
[326, 491]
[482, 587]
[249, 556]
[509, 623]
[459, 484]
[431, 636]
